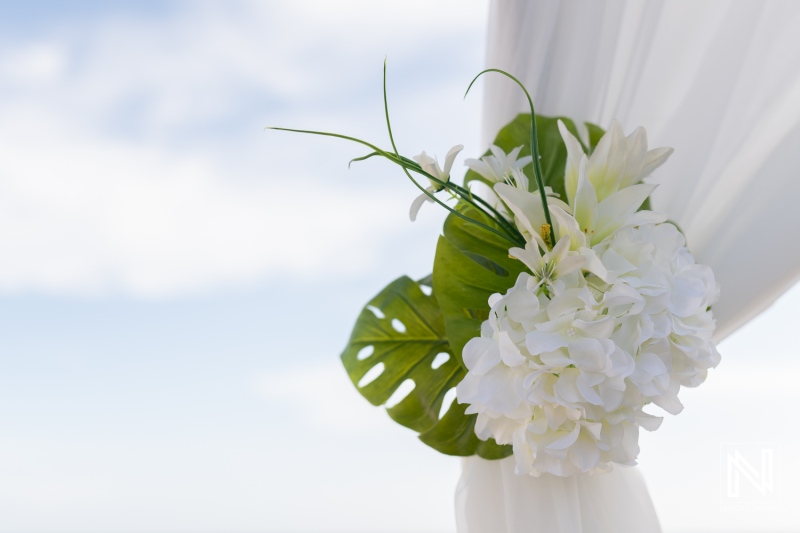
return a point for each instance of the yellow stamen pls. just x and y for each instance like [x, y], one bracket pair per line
[545, 233]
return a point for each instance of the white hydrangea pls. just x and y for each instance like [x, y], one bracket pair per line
[616, 316]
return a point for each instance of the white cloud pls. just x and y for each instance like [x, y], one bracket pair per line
[93, 214]
[32, 66]
[117, 172]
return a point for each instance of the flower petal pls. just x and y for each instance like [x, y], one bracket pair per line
[526, 206]
[654, 159]
[613, 211]
[449, 158]
[567, 440]
[568, 229]
[636, 149]
[481, 168]
[509, 352]
[542, 341]
[607, 163]
[530, 256]
[417, 203]
[584, 205]
[574, 155]
[480, 355]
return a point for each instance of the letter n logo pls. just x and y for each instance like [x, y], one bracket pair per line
[762, 479]
[749, 473]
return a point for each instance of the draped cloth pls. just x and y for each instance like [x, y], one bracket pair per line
[719, 81]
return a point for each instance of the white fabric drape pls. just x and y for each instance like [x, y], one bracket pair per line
[491, 498]
[719, 81]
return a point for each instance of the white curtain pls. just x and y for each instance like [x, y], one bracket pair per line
[719, 81]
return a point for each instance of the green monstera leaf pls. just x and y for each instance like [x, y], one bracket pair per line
[400, 333]
[470, 265]
[399, 338]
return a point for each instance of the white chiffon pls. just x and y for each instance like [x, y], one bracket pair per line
[719, 81]
[491, 498]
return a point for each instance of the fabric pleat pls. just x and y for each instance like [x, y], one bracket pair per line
[491, 498]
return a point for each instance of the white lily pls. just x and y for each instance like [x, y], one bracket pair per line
[431, 166]
[599, 218]
[527, 208]
[617, 162]
[497, 167]
[550, 266]
[567, 226]
[518, 179]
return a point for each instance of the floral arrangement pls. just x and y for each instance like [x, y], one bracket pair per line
[560, 306]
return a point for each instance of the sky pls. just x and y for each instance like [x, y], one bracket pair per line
[177, 283]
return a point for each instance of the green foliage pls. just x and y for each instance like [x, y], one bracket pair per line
[470, 265]
[405, 354]
[407, 350]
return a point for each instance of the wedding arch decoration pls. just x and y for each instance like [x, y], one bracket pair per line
[559, 305]
[734, 120]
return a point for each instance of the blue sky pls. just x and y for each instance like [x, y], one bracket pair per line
[177, 283]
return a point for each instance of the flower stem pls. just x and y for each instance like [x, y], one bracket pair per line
[401, 162]
[463, 194]
[537, 165]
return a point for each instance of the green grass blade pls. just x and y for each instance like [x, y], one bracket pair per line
[537, 167]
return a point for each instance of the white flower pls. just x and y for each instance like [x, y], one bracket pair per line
[614, 317]
[530, 219]
[431, 166]
[616, 163]
[519, 180]
[598, 218]
[527, 209]
[552, 265]
[498, 166]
